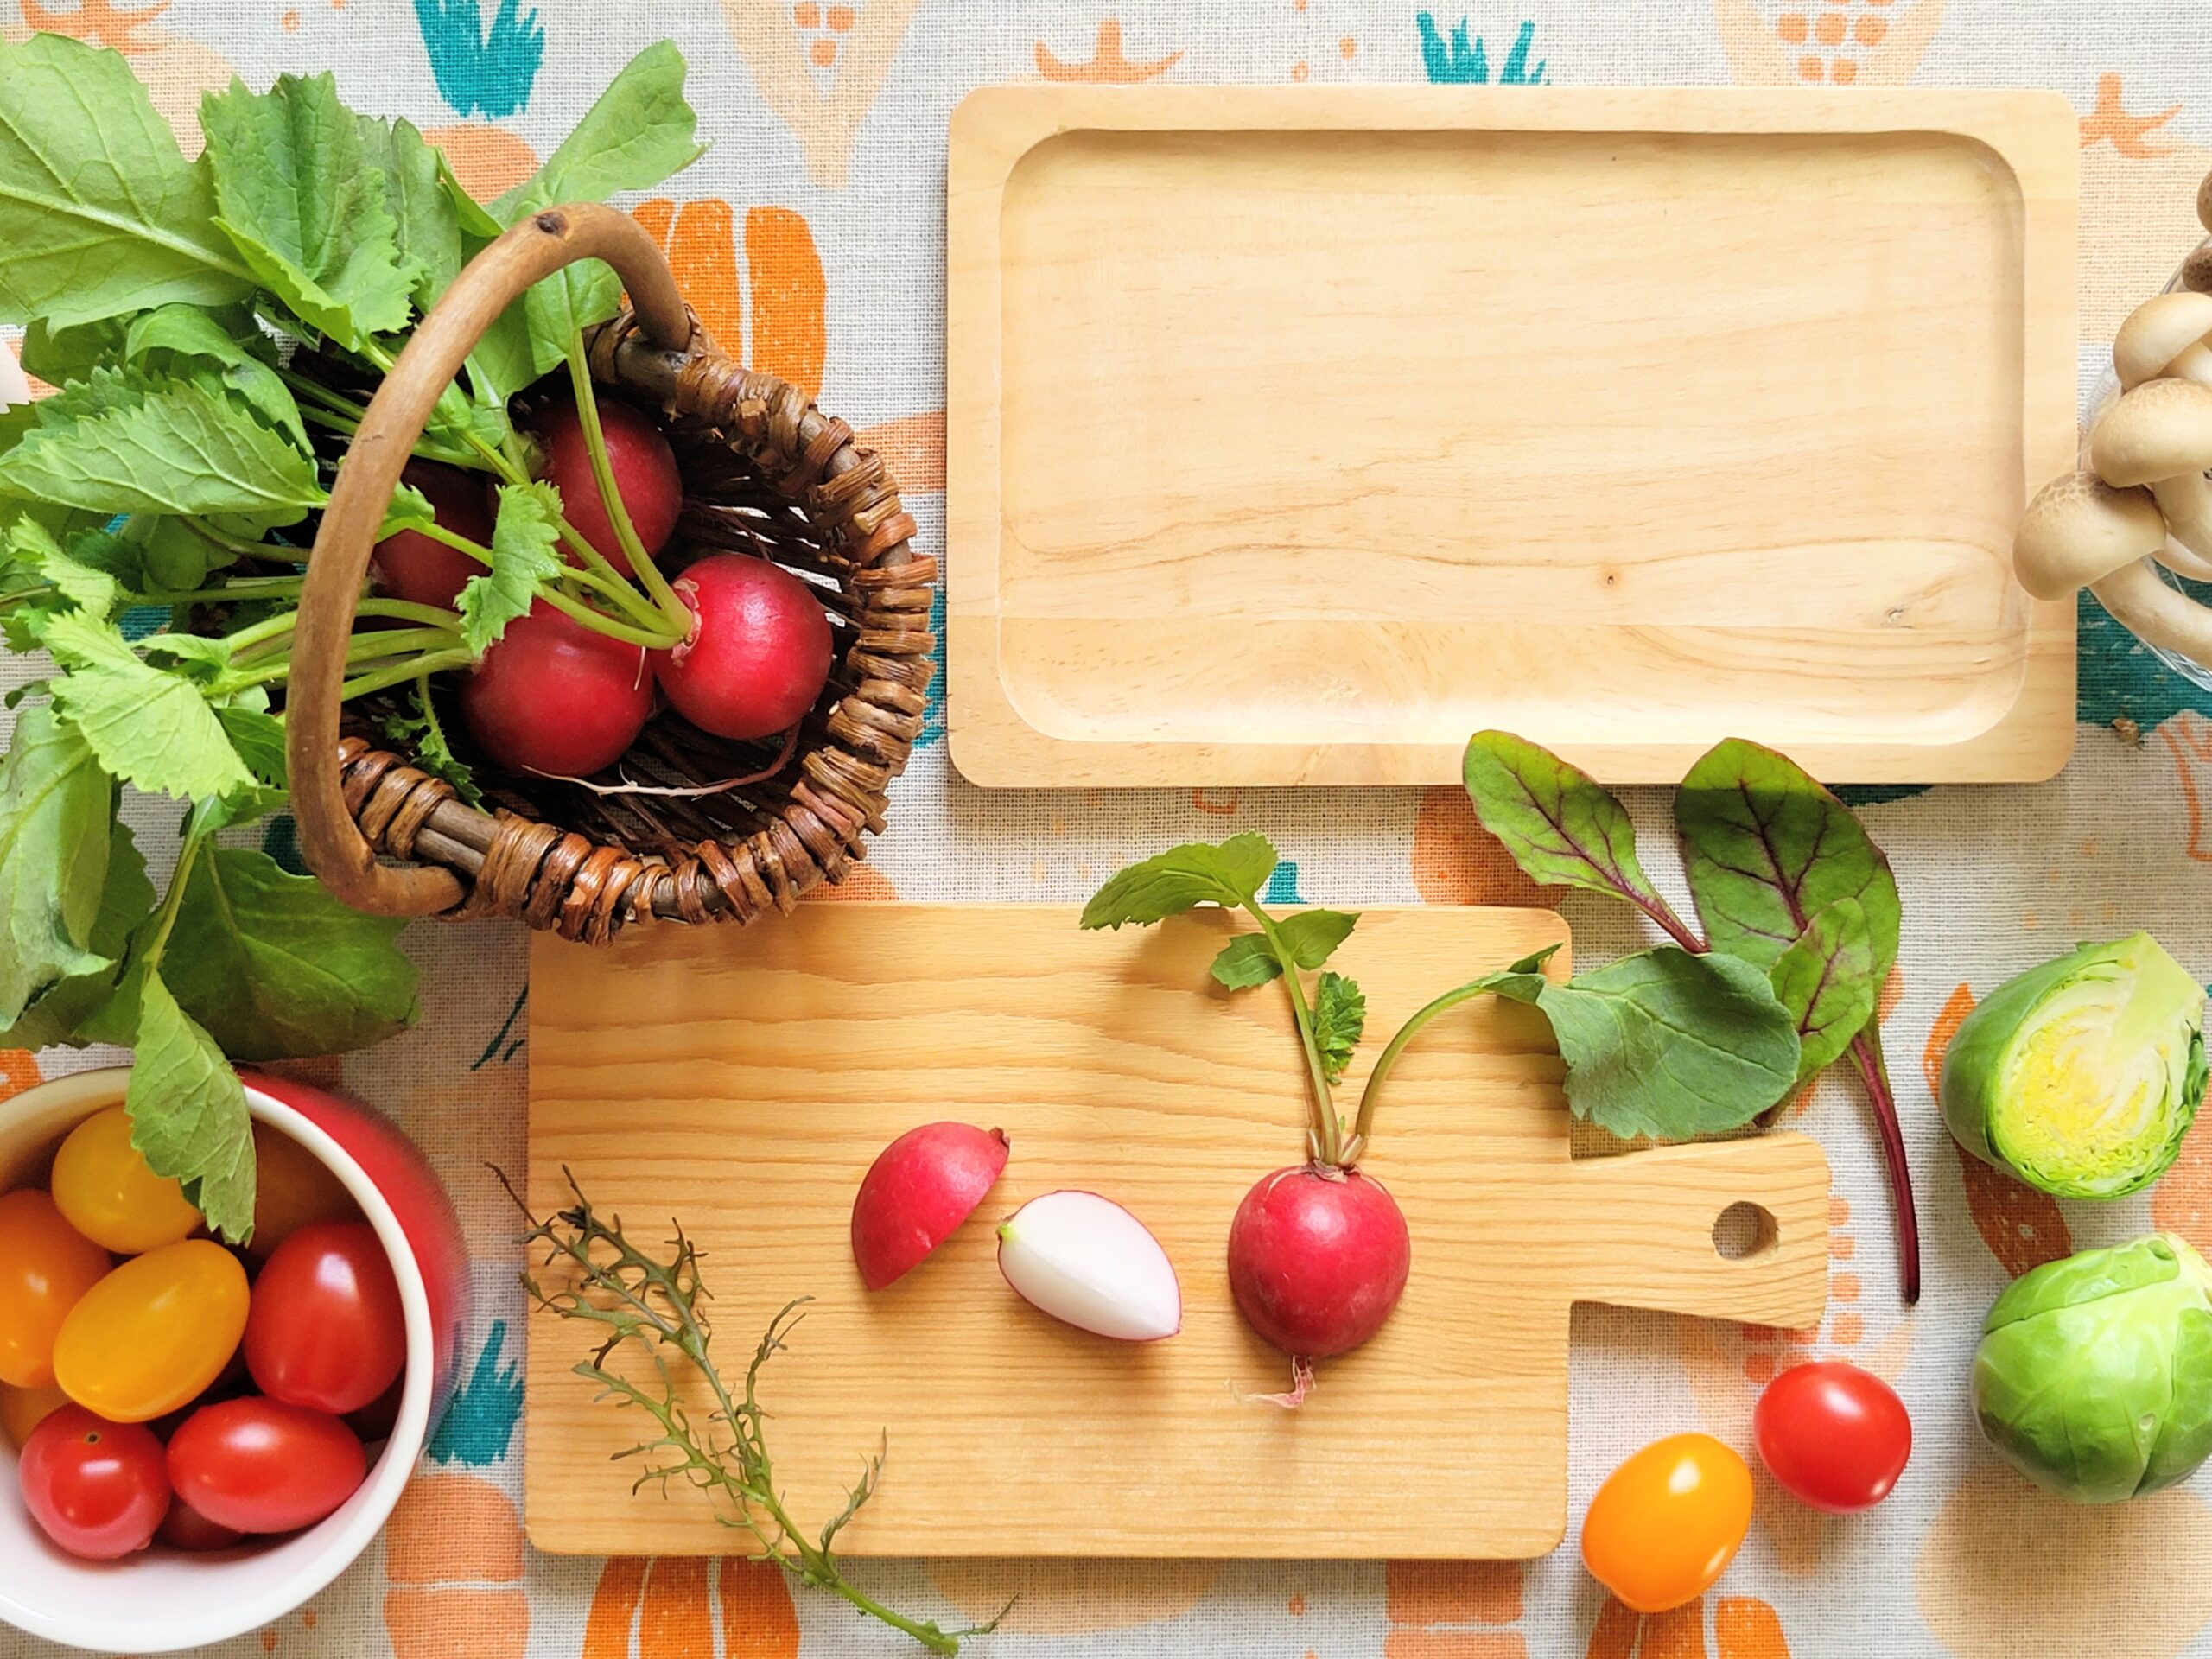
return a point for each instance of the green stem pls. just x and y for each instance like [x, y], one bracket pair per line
[327, 397]
[1388, 1058]
[617, 510]
[431, 663]
[1327, 1132]
[659, 637]
[436, 731]
[172, 902]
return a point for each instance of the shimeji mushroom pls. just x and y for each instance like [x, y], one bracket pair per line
[2160, 429]
[2079, 530]
[2164, 337]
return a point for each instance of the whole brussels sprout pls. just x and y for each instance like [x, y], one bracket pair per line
[2080, 1077]
[2094, 1374]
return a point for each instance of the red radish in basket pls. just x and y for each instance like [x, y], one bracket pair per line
[919, 1191]
[758, 652]
[1317, 1253]
[644, 468]
[413, 566]
[554, 697]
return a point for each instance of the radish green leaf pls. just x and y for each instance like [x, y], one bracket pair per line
[54, 806]
[525, 558]
[188, 1114]
[1230, 874]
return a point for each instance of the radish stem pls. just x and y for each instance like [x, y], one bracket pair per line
[618, 510]
[1327, 1131]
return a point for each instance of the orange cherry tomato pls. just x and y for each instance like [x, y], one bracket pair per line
[23, 1409]
[153, 1334]
[1667, 1522]
[292, 1188]
[103, 1186]
[46, 1265]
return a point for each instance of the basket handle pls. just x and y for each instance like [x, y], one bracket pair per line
[330, 841]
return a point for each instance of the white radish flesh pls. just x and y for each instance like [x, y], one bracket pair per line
[1087, 1260]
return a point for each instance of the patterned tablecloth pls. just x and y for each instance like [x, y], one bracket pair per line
[813, 232]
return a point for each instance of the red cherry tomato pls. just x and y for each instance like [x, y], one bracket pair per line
[261, 1466]
[190, 1530]
[1667, 1522]
[326, 1330]
[1833, 1435]
[98, 1489]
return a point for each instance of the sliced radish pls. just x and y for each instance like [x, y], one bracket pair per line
[919, 1188]
[1085, 1260]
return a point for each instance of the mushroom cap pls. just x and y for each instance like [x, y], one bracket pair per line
[2079, 530]
[2204, 202]
[2196, 271]
[2159, 331]
[2160, 429]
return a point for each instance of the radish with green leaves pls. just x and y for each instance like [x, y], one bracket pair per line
[757, 652]
[641, 463]
[554, 697]
[412, 564]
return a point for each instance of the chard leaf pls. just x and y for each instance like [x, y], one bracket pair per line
[1766, 848]
[1230, 874]
[100, 215]
[1555, 821]
[304, 201]
[1825, 979]
[638, 133]
[56, 1014]
[523, 562]
[176, 448]
[187, 1112]
[1339, 1020]
[176, 335]
[147, 727]
[56, 806]
[1664, 1043]
[274, 966]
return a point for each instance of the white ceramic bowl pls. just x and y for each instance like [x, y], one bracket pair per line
[162, 1599]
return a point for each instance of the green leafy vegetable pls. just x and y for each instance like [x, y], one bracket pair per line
[525, 541]
[176, 338]
[100, 215]
[1181, 879]
[188, 1114]
[1309, 938]
[1339, 1022]
[54, 806]
[147, 727]
[57, 1014]
[1827, 981]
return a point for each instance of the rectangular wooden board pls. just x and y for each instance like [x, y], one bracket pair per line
[744, 1081]
[1296, 434]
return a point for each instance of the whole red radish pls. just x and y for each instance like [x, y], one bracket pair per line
[645, 475]
[553, 696]
[759, 651]
[411, 565]
[1318, 1259]
[919, 1188]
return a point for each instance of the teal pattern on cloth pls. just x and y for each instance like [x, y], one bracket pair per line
[481, 72]
[1462, 61]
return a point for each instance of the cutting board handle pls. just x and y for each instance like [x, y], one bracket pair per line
[1646, 1221]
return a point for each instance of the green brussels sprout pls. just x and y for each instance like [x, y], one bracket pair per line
[2094, 1374]
[2080, 1077]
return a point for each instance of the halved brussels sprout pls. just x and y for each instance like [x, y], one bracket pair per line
[2094, 1374]
[2081, 1075]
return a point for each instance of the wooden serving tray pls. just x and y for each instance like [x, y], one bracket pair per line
[744, 1083]
[1296, 434]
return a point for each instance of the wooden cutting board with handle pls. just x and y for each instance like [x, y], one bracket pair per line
[742, 1082]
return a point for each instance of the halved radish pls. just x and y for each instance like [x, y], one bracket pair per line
[920, 1188]
[1086, 1260]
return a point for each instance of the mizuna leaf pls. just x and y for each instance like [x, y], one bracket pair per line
[57, 1012]
[100, 215]
[146, 726]
[525, 558]
[305, 204]
[1555, 821]
[178, 448]
[274, 966]
[1825, 979]
[1767, 848]
[187, 1112]
[1666, 1044]
[1339, 1020]
[1229, 873]
[55, 808]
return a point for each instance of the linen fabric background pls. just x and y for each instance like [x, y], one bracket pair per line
[812, 233]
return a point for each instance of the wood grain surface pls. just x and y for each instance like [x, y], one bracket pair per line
[1294, 434]
[744, 1082]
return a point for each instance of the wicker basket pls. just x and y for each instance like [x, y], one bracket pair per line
[765, 473]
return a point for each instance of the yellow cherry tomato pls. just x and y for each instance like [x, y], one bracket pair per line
[291, 1188]
[23, 1409]
[46, 1265]
[108, 1194]
[1667, 1521]
[153, 1334]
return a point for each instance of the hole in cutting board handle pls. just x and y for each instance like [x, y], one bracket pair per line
[1744, 1230]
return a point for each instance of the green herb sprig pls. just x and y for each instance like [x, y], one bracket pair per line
[653, 1309]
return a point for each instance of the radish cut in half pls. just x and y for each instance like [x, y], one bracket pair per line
[1085, 1260]
[916, 1192]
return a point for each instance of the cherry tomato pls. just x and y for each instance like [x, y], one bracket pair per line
[261, 1466]
[187, 1530]
[292, 1187]
[375, 1421]
[326, 1330]
[1833, 1435]
[97, 1489]
[23, 1409]
[154, 1332]
[1667, 1521]
[103, 1188]
[46, 1265]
